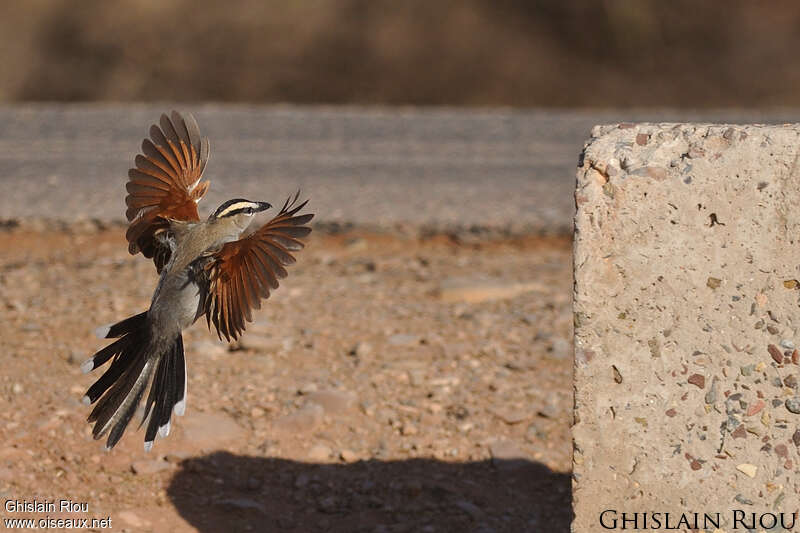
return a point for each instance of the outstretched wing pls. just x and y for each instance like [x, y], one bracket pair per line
[240, 274]
[165, 185]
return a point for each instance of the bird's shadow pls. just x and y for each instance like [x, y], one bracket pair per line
[226, 492]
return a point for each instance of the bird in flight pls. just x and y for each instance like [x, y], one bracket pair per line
[206, 267]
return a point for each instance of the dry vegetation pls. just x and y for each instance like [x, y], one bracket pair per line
[473, 52]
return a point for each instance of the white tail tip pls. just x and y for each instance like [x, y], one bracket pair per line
[163, 431]
[102, 331]
[86, 400]
[88, 365]
[180, 407]
[148, 445]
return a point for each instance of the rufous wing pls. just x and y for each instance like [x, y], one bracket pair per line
[165, 185]
[242, 273]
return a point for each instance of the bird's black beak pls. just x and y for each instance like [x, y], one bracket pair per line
[262, 206]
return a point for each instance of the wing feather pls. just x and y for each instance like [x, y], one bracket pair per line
[166, 184]
[243, 272]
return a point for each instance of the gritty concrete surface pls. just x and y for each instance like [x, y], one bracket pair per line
[686, 321]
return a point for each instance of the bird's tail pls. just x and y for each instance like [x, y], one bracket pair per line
[137, 361]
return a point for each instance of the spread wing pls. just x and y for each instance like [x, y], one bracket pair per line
[165, 185]
[235, 278]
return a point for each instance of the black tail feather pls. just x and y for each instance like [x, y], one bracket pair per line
[124, 351]
[132, 323]
[123, 330]
[120, 389]
[167, 391]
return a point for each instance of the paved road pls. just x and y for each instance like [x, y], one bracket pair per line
[440, 169]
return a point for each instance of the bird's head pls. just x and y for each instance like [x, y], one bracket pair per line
[238, 211]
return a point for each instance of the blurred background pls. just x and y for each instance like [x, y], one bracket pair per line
[459, 53]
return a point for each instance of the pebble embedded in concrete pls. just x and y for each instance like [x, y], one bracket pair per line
[684, 282]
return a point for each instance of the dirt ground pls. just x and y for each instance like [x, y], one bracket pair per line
[389, 385]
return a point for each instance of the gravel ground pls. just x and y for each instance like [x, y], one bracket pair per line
[391, 384]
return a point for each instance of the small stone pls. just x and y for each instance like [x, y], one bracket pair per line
[319, 453]
[409, 429]
[145, 467]
[671, 412]
[416, 377]
[75, 357]
[475, 512]
[711, 395]
[698, 380]
[772, 330]
[755, 408]
[301, 480]
[307, 389]
[642, 138]
[209, 349]
[348, 456]
[334, 402]
[403, 339]
[254, 483]
[210, 430]
[302, 421]
[507, 455]
[795, 357]
[512, 416]
[796, 437]
[740, 432]
[695, 152]
[761, 299]
[793, 405]
[560, 348]
[787, 344]
[775, 352]
[327, 505]
[477, 291]
[132, 519]
[713, 283]
[357, 244]
[257, 343]
[240, 504]
[361, 349]
[656, 173]
[790, 381]
[747, 469]
[782, 451]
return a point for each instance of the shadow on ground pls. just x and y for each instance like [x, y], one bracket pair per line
[225, 492]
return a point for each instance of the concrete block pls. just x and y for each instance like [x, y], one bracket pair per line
[687, 311]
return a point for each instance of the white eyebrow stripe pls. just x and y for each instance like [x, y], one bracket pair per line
[237, 205]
